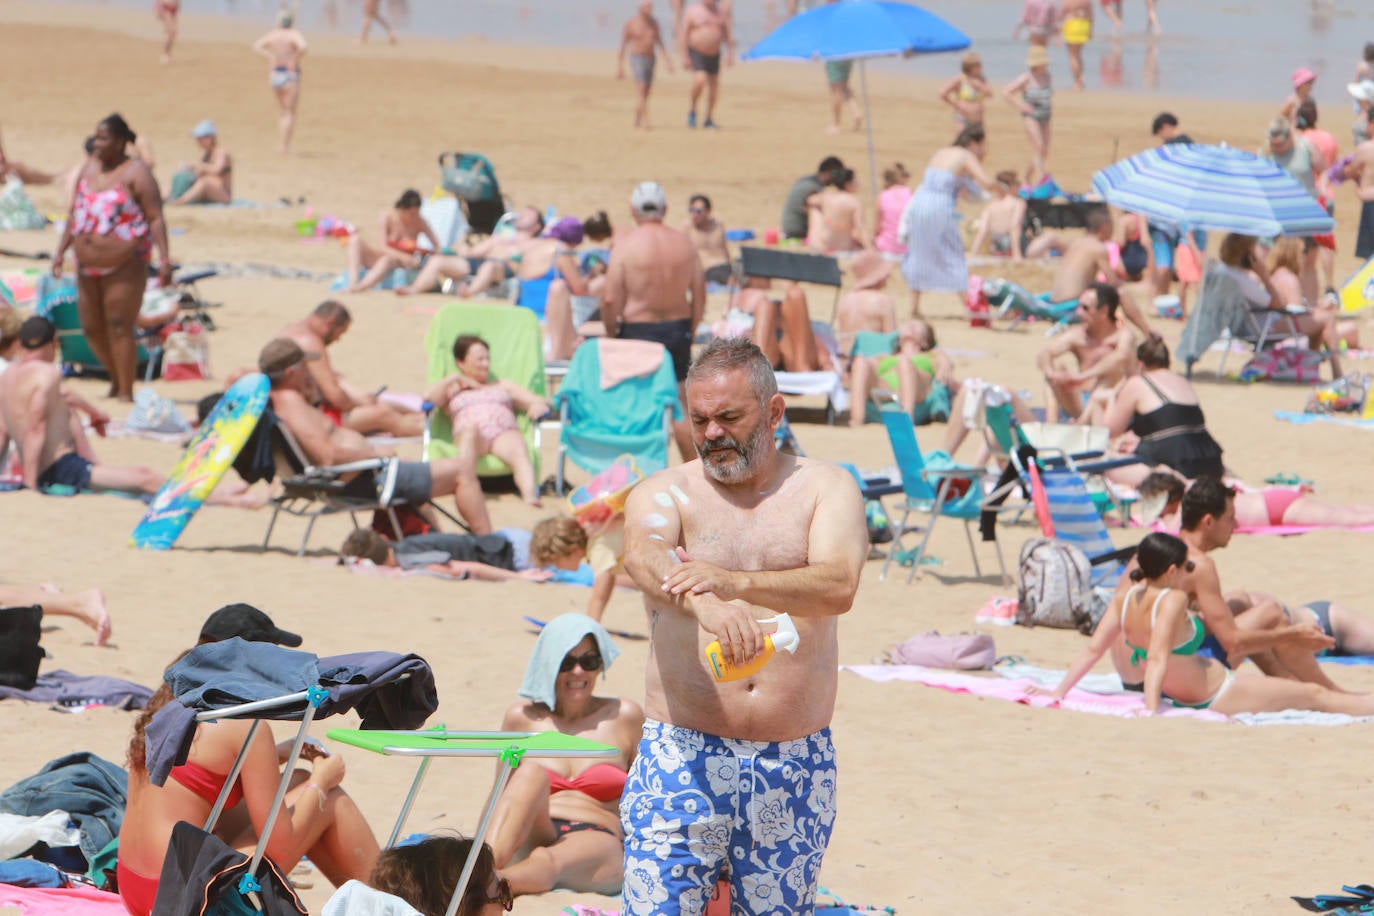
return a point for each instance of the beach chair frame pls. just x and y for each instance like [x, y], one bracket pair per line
[505, 746]
[926, 492]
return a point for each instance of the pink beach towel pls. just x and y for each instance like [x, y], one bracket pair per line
[1122, 705]
[69, 901]
[622, 360]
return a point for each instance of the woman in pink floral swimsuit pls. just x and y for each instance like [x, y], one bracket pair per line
[483, 411]
[115, 221]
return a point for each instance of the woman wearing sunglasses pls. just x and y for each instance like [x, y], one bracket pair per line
[558, 822]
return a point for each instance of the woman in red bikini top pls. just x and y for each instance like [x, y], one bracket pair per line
[114, 223]
[317, 818]
[558, 825]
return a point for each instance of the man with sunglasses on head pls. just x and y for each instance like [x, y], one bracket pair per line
[737, 774]
[1087, 260]
[1102, 346]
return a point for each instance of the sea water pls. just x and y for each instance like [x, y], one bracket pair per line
[1221, 49]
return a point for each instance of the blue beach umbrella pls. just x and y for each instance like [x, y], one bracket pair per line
[1213, 187]
[858, 30]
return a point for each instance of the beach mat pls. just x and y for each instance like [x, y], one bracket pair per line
[1016, 680]
[1302, 419]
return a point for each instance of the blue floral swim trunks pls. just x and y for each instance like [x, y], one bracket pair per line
[695, 804]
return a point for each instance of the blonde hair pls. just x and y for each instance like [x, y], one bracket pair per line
[556, 537]
[895, 175]
[1287, 253]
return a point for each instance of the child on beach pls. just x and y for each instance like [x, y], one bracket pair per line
[562, 547]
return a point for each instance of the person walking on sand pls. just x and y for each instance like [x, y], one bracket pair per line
[1032, 93]
[1303, 82]
[656, 289]
[743, 770]
[706, 35]
[641, 39]
[967, 91]
[371, 14]
[166, 12]
[284, 47]
[1076, 26]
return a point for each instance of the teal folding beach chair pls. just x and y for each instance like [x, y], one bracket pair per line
[1011, 298]
[929, 492]
[634, 416]
[1078, 523]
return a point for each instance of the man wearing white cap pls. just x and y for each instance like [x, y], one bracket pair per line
[213, 174]
[655, 289]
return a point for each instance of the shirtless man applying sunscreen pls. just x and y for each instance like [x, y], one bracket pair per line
[717, 544]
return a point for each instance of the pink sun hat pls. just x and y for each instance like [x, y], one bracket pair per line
[1302, 75]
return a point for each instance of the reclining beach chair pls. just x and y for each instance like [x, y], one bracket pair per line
[929, 492]
[1008, 297]
[1078, 523]
[311, 492]
[1222, 313]
[471, 178]
[631, 415]
[267, 682]
[516, 345]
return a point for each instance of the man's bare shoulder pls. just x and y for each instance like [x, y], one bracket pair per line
[825, 476]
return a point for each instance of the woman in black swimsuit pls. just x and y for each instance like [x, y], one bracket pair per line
[1160, 409]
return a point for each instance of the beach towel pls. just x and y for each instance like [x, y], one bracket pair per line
[559, 637]
[69, 901]
[1302, 419]
[17, 212]
[622, 360]
[75, 692]
[357, 899]
[827, 384]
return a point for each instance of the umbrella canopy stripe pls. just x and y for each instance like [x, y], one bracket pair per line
[1213, 187]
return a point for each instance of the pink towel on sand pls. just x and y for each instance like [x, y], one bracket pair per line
[1122, 705]
[69, 901]
[622, 360]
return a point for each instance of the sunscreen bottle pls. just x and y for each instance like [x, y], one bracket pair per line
[785, 637]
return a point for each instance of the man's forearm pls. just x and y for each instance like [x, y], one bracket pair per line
[31, 451]
[821, 590]
[1248, 642]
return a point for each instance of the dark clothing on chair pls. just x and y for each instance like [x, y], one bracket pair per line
[200, 877]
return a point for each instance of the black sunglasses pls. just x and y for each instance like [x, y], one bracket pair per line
[503, 895]
[589, 662]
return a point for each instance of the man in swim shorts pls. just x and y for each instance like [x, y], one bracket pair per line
[705, 32]
[36, 413]
[284, 47]
[708, 238]
[737, 775]
[326, 443]
[655, 288]
[641, 38]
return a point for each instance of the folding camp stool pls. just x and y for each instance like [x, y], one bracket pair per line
[510, 747]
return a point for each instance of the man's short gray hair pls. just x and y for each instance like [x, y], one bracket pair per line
[726, 354]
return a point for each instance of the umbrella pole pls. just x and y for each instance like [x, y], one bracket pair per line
[868, 127]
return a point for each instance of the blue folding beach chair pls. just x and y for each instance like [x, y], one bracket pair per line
[929, 491]
[1078, 524]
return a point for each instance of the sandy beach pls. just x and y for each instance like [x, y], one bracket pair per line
[947, 803]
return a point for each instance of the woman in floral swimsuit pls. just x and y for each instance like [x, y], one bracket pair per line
[483, 411]
[115, 222]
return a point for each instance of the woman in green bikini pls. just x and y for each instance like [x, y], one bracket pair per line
[908, 376]
[1157, 637]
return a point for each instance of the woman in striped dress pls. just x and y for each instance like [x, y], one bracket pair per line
[934, 258]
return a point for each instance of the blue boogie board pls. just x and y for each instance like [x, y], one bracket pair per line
[209, 454]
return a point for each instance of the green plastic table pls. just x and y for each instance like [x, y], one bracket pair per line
[509, 747]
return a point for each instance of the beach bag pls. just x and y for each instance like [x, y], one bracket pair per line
[16, 210]
[153, 413]
[1054, 587]
[185, 354]
[466, 180]
[965, 651]
[1284, 364]
[20, 654]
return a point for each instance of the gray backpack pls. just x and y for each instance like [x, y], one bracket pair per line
[1054, 587]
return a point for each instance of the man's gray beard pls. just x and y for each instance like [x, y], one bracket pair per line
[748, 456]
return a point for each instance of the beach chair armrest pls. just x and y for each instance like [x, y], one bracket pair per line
[970, 472]
[366, 464]
[1116, 556]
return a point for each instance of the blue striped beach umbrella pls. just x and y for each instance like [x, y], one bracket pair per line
[1213, 187]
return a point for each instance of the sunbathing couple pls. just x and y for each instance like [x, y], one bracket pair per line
[1173, 634]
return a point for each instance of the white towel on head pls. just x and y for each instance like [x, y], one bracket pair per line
[559, 637]
[357, 899]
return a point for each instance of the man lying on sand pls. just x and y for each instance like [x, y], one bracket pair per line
[463, 556]
[324, 443]
[357, 410]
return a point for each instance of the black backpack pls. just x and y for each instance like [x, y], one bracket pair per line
[20, 654]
